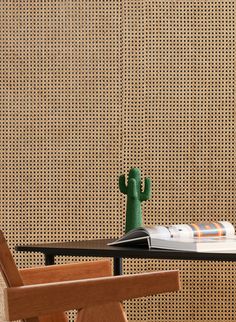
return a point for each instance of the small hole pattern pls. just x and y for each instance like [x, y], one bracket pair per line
[91, 88]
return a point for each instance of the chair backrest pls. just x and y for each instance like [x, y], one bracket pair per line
[13, 278]
[8, 267]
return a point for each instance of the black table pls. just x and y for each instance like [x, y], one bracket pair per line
[99, 248]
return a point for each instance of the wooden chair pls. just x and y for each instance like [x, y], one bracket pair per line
[44, 294]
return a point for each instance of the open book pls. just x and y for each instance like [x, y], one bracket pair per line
[205, 237]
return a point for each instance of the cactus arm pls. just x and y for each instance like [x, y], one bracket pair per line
[147, 191]
[122, 185]
[132, 188]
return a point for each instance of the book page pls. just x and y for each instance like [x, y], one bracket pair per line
[190, 231]
[199, 230]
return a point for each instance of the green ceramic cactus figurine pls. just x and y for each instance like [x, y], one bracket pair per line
[134, 197]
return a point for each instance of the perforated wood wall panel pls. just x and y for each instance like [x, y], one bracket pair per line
[90, 88]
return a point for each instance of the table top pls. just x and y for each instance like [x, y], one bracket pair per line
[99, 248]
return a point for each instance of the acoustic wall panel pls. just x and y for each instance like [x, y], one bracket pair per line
[91, 88]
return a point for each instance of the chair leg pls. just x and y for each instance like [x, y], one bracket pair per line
[111, 312]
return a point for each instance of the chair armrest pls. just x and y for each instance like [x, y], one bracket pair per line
[30, 301]
[67, 272]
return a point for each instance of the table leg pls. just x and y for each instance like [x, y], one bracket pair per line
[117, 262]
[49, 259]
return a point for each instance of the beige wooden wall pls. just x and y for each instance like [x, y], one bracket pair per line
[90, 88]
